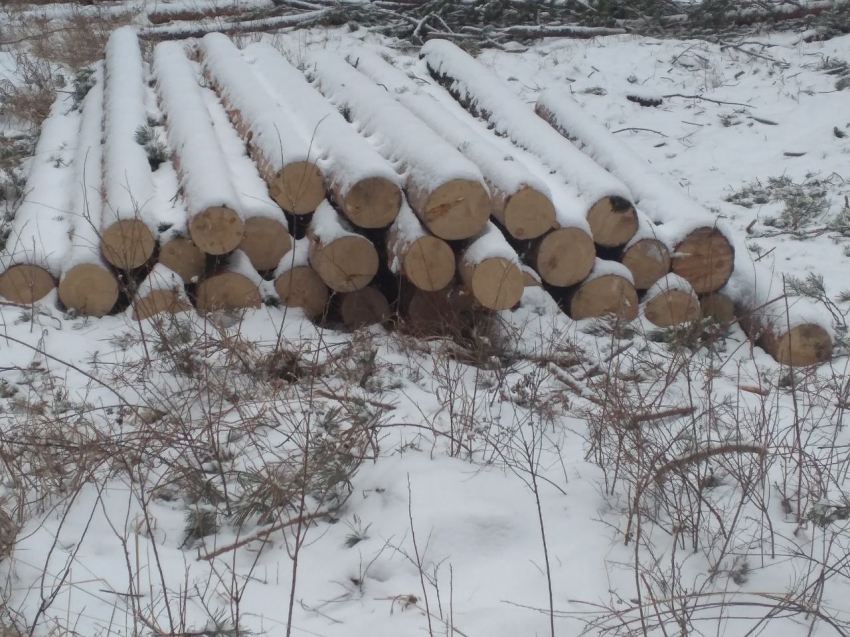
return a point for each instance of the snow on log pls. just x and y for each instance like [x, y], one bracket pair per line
[129, 223]
[671, 301]
[426, 261]
[177, 252]
[703, 255]
[87, 285]
[298, 284]
[162, 291]
[719, 307]
[490, 270]
[162, 13]
[608, 289]
[646, 256]
[200, 28]
[605, 200]
[234, 286]
[215, 220]
[519, 201]
[363, 184]
[266, 238]
[793, 330]
[284, 156]
[530, 278]
[563, 256]
[445, 189]
[441, 312]
[366, 306]
[38, 242]
[345, 260]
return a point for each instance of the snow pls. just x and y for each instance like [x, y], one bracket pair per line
[646, 230]
[239, 263]
[297, 257]
[669, 283]
[406, 229]
[160, 278]
[327, 225]
[490, 243]
[603, 267]
[171, 208]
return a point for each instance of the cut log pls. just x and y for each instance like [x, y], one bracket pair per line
[646, 256]
[563, 257]
[363, 184]
[284, 156]
[162, 291]
[445, 189]
[345, 260]
[671, 301]
[703, 253]
[490, 270]
[183, 257]
[162, 13]
[235, 286]
[607, 290]
[530, 278]
[38, 244]
[519, 201]
[442, 312]
[129, 222]
[719, 307]
[367, 306]
[426, 261]
[603, 198]
[200, 28]
[299, 285]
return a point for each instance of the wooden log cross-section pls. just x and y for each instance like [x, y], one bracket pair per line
[490, 270]
[608, 290]
[161, 291]
[345, 260]
[646, 256]
[426, 261]
[233, 286]
[671, 301]
[364, 307]
[298, 284]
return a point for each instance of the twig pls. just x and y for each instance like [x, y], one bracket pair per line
[261, 535]
[707, 99]
[632, 128]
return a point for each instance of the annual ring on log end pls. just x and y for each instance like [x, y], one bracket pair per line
[613, 222]
[346, 264]
[89, 289]
[801, 346]
[719, 307]
[429, 264]
[302, 287]
[264, 242]
[217, 230]
[496, 283]
[183, 257]
[227, 291]
[608, 294]
[26, 283]
[528, 214]
[458, 209]
[367, 306]
[705, 259]
[648, 260]
[298, 187]
[127, 244]
[672, 307]
[372, 202]
[159, 301]
[564, 257]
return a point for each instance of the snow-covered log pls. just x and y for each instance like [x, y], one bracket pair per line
[162, 291]
[87, 285]
[608, 289]
[530, 278]
[363, 184]
[298, 284]
[445, 189]
[441, 312]
[718, 306]
[215, 219]
[671, 301]
[646, 256]
[605, 200]
[563, 256]
[284, 156]
[129, 222]
[200, 28]
[519, 201]
[345, 260]
[793, 330]
[234, 286]
[162, 13]
[703, 255]
[366, 306]
[426, 261]
[38, 242]
[490, 270]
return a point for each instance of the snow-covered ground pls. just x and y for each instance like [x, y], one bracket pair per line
[529, 493]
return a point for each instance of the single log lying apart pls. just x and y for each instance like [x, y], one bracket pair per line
[703, 255]
[298, 284]
[646, 256]
[608, 289]
[345, 260]
[363, 184]
[234, 286]
[87, 285]
[283, 155]
[444, 189]
[444, 312]
[366, 306]
[719, 307]
[161, 291]
[38, 242]
[671, 301]
[426, 261]
[490, 270]
[601, 197]
[128, 226]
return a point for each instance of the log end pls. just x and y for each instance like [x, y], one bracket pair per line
[90, 289]
[648, 260]
[528, 214]
[183, 257]
[443, 312]
[564, 257]
[801, 346]
[26, 284]
[264, 242]
[495, 283]
[672, 307]
[372, 203]
[367, 306]
[302, 287]
[705, 259]
[159, 301]
[227, 291]
[458, 209]
[429, 264]
[346, 264]
[217, 230]
[604, 295]
[127, 244]
[298, 187]
[613, 222]
[719, 307]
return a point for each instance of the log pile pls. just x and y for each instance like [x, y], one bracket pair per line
[349, 194]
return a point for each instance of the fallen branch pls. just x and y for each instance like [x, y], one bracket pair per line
[707, 99]
[705, 454]
[659, 415]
